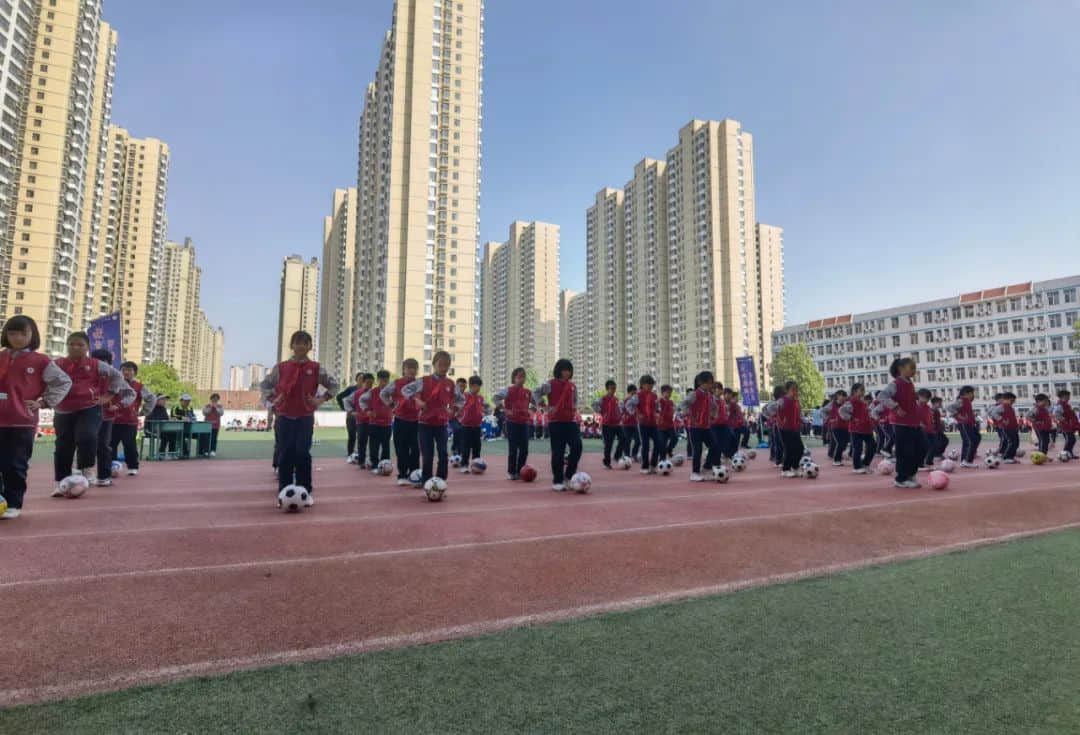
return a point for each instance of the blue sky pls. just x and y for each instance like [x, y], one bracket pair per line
[936, 143]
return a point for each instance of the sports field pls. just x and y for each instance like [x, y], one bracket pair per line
[651, 605]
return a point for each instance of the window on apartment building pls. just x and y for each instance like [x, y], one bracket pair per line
[971, 351]
[26, 236]
[22, 266]
[1003, 327]
[1057, 343]
[1053, 298]
[1002, 307]
[928, 337]
[1058, 366]
[969, 311]
[1018, 347]
[969, 331]
[1070, 295]
[1021, 369]
[1055, 321]
[912, 320]
[44, 67]
[1018, 325]
[1070, 317]
[1005, 348]
[914, 338]
[36, 137]
[960, 373]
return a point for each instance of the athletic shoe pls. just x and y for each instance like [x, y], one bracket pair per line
[652, 470]
[607, 465]
[860, 471]
[789, 473]
[403, 482]
[11, 514]
[213, 454]
[912, 484]
[350, 459]
[1011, 461]
[644, 471]
[104, 483]
[58, 493]
[901, 485]
[969, 465]
[559, 487]
[464, 470]
[837, 464]
[694, 477]
[132, 473]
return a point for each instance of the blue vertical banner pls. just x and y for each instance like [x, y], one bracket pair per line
[747, 381]
[105, 335]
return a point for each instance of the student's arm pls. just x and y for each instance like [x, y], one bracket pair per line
[387, 394]
[340, 397]
[148, 401]
[459, 399]
[269, 384]
[327, 381]
[955, 407]
[347, 402]
[117, 385]
[541, 390]
[887, 396]
[632, 404]
[686, 404]
[57, 385]
[412, 390]
[598, 406]
[846, 411]
[500, 397]
[997, 412]
[364, 402]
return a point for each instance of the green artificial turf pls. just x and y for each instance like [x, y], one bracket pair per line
[980, 642]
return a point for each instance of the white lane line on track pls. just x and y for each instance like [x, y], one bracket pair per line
[408, 551]
[143, 677]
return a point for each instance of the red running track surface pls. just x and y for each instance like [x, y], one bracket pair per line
[189, 569]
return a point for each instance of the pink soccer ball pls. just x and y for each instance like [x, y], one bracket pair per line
[948, 466]
[939, 480]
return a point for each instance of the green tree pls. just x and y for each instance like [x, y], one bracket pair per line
[794, 362]
[161, 379]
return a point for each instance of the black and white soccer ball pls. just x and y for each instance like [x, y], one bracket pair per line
[455, 460]
[581, 482]
[664, 467]
[293, 498]
[720, 473]
[738, 462]
[435, 489]
[678, 460]
[811, 471]
[992, 461]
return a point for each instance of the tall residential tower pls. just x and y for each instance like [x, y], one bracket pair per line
[299, 297]
[335, 308]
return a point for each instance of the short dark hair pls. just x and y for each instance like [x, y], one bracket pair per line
[998, 396]
[610, 384]
[647, 380]
[1064, 394]
[855, 387]
[383, 374]
[21, 323]
[475, 380]
[923, 393]
[631, 388]
[299, 337]
[665, 388]
[215, 396]
[1042, 397]
[461, 380]
[703, 377]
[517, 371]
[778, 392]
[840, 392]
[894, 369]
[130, 364]
[560, 365]
[1009, 395]
[790, 384]
[102, 354]
[410, 362]
[368, 376]
[79, 335]
[359, 376]
[935, 399]
[967, 389]
[440, 355]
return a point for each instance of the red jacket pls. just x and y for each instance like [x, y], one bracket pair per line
[296, 388]
[439, 396]
[699, 409]
[665, 416]
[719, 412]
[1041, 420]
[127, 415]
[926, 417]
[1068, 421]
[517, 404]
[628, 417]
[1008, 417]
[835, 420]
[28, 376]
[609, 409]
[963, 412]
[646, 408]
[562, 400]
[379, 414]
[860, 422]
[474, 410]
[404, 408]
[735, 415]
[87, 386]
[359, 414]
[907, 399]
[212, 415]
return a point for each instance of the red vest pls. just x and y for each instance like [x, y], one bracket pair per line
[789, 417]
[665, 417]
[361, 416]
[735, 415]
[379, 414]
[1008, 417]
[700, 410]
[298, 382]
[610, 410]
[517, 404]
[926, 417]
[213, 418]
[720, 417]
[1041, 419]
[86, 387]
[860, 422]
[834, 419]
[126, 415]
[1068, 417]
[472, 413]
[966, 414]
[646, 408]
[406, 410]
[628, 418]
[562, 401]
[907, 399]
[438, 397]
[22, 378]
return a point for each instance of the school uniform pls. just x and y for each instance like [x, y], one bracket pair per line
[631, 442]
[609, 409]
[1042, 421]
[737, 421]
[439, 395]
[78, 417]
[644, 405]
[212, 415]
[789, 421]
[970, 436]
[472, 415]
[1067, 423]
[697, 407]
[406, 413]
[350, 419]
[1008, 426]
[563, 427]
[838, 432]
[362, 424]
[25, 375]
[516, 402]
[861, 431]
[926, 447]
[380, 417]
[665, 427]
[900, 400]
[722, 436]
[292, 387]
[126, 424]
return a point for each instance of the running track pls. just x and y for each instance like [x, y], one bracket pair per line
[189, 570]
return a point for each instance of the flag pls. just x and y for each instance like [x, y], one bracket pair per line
[747, 381]
[105, 335]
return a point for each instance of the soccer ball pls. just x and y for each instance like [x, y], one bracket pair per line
[953, 454]
[939, 480]
[74, 486]
[992, 462]
[3, 505]
[947, 465]
[384, 468]
[738, 463]
[455, 460]
[811, 471]
[435, 489]
[1038, 458]
[416, 477]
[353, 458]
[806, 460]
[625, 463]
[678, 460]
[1020, 452]
[1064, 456]
[664, 466]
[581, 483]
[806, 452]
[293, 498]
[720, 473]
[478, 466]
[117, 468]
[885, 467]
[751, 453]
[527, 473]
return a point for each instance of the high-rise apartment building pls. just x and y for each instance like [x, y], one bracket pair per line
[180, 331]
[256, 372]
[520, 302]
[208, 361]
[39, 275]
[238, 378]
[675, 279]
[137, 178]
[298, 302]
[574, 331]
[1010, 338]
[95, 259]
[335, 308]
[418, 189]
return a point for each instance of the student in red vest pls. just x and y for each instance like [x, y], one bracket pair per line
[406, 413]
[697, 407]
[104, 435]
[471, 416]
[631, 441]
[926, 420]
[723, 438]
[964, 415]
[126, 419]
[1004, 416]
[380, 417]
[789, 421]
[29, 381]
[212, 413]
[560, 396]
[437, 397]
[860, 428]
[361, 420]
[736, 421]
[609, 409]
[1042, 422]
[837, 427]
[78, 417]
[643, 404]
[1066, 420]
[901, 401]
[939, 442]
[665, 422]
[296, 388]
[517, 404]
[768, 413]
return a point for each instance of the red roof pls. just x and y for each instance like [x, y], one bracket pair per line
[994, 292]
[1018, 288]
[969, 297]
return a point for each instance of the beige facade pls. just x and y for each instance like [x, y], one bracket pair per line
[208, 360]
[237, 378]
[41, 270]
[770, 270]
[180, 329]
[95, 259]
[256, 372]
[418, 190]
[648, 329]
[520, 303]
[298, 302]
[335, 307]
[605, 244]
[137, 180]
[574, 329]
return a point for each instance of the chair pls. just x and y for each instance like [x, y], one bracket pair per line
[156, 432]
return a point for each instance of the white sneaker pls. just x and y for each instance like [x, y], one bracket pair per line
[351, 459]
[104, 483]
[901, 485]
[12, 513]
[643, 471]
[559, 487]
[837, 464]
[404, 483]
[912, 484]
[695, 477]
[213, 454]
[789, 473]
[969, 465]
[58, 493]
[510, 477]
[464, 470]
[860, 471]
[132, 473]
[1012, 461]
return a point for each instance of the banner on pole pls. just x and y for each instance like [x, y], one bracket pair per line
[747, 381]
[105, 335]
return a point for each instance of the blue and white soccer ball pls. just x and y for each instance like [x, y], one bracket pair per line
[435, 489]
[581, 482]
[116, 468]
[293, 498]
[478, 466]
[74, 486]
[416, 477]
[455, 460]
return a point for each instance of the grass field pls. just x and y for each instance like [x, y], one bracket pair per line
[980, 642]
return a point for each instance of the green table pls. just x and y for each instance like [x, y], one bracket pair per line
[196, 430]
[159, 434]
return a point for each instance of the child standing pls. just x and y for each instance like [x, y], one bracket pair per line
[379, 417]
[436, 396]
[1004, 416]
[838, 427]
[292, 388]
[964, 416]
[78, 417]
[363, 422]
[406, 413]
[126, 419]
[517, 403]
[768, 413]
[560, 395]
[212, 413]
[860, 428]
[631, 442]
[350, 419]
[472, 419]
[926, 420]
[456, 436]
[698, 409]
[643, 404]
[740, 435]
[721, 431]
[104, 435]
[789, 421]
[900, 399]
[1042, 421]
[610, 413]
[28, 381]
[939, 442]
[1066, 420]
[665, 422]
